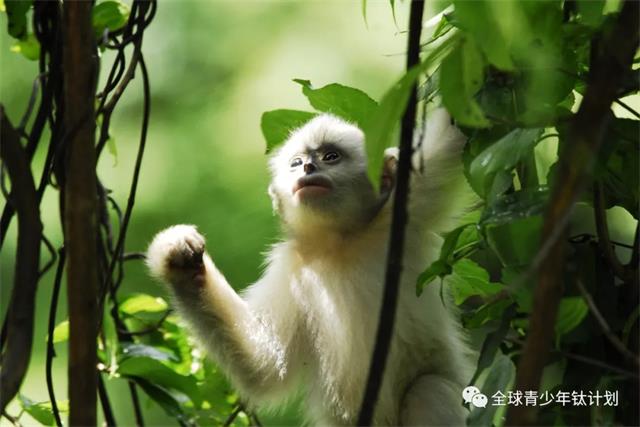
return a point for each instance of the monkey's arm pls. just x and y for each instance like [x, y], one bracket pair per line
[249, 346]
[439, 190]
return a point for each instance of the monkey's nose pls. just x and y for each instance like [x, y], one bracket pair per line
[309, 168]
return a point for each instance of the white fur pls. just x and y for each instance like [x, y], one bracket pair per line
[308, 325]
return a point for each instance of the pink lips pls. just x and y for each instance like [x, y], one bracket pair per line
[313, 185]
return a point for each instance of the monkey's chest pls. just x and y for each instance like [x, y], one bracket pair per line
[340, 310]
[338, 304]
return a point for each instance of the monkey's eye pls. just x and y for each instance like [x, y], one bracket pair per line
[331, 156]
[295, 162]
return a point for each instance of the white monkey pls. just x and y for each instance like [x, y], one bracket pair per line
[309, 323]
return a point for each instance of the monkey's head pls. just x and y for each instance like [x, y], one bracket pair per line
[320, 178]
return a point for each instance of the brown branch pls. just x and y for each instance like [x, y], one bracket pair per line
[80, 219]
[629, 109]
[13, 420]
[19, 333]
[132, 256]
[604, 326]
[147, 330]
[609, 64]
[51, 352]
[49, 76]
[232, 416]
[107, 411]
[586, 360]
[398, 226]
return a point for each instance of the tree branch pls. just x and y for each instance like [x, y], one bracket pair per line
[80, 219]
[107, 411]
[604, 326]
[609, 64]
[398, 225]
[51, 352]
[586, 360]
[19, 333]
[232, 416]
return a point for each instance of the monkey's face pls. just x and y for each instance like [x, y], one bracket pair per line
[320, 177]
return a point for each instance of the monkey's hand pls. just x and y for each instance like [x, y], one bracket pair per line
[176, 256]
[252, 354]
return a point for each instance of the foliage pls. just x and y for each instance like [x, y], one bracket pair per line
[163, 361]
[511, 83]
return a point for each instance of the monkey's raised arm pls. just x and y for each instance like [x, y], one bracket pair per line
[439, 191]
[252, 349]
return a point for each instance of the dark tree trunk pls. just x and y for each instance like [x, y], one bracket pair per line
[80, 218]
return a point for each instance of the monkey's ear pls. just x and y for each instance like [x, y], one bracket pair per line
[388, 179]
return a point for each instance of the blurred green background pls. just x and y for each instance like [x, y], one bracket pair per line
[215, 67]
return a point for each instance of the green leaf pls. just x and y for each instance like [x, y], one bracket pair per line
[162, 397]
[42, 411]
[513, 223]
[17, 17]
[28, 46]
[143, 303]
[500, 377]
[351, 104]
[451, 241]
[517, 205]
[520, 287]
[508, 31]
[549, 76]
[61, 332]
[277, 125]
[392, 3]
[161, 375]
[175, 339]
[479, 18]
[111, 15]
[571, 312]
[486, 313]
[438, 268]
[480, 140]
[113, 149]
[364, 11]
[468, 279]
[142, 350]
[591, 12]
[468, 238]
[214, 385]
[37, 411]
[442, 266]
[492, 342]
[503, 155]
[385, 117]
[111, 341]
[498, 97]
[443, 27]
[461, 76]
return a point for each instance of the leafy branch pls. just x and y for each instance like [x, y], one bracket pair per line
[611, 59]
